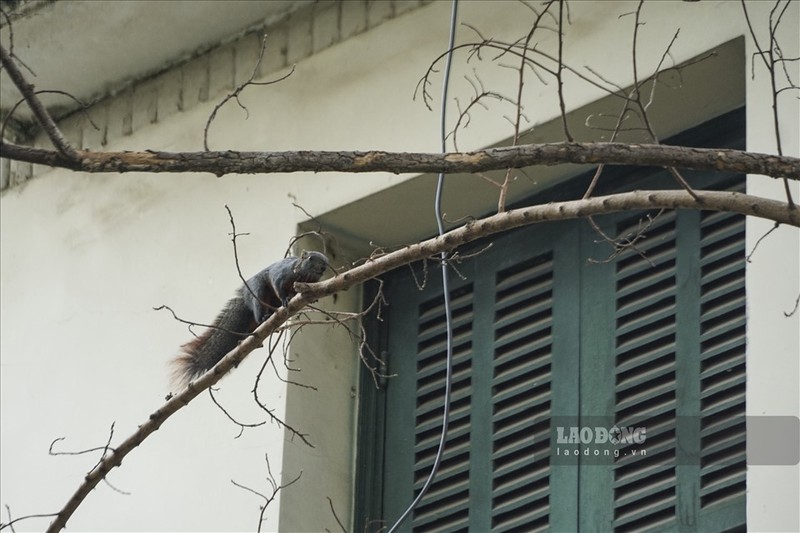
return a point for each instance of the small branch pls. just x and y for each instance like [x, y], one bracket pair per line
[261, 405]
[105, 448]
[275, 489]
[749, 257]
[335, 516]
[191, 323]
[626, 241]
[768, 56]
[235, 94]
[13, 109]
[636, 94]
[234, 236]
[794, 310]
[560, 70]
[682, 181]
[241, 425]
[10, 523]
[38, 109]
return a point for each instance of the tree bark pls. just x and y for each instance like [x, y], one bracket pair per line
[232, 162]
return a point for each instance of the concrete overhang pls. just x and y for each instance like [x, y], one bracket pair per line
[93, 49]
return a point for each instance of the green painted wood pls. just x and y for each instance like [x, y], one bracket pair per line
[398, 465]
[371, 429]
[687, 453]
[564, 504]
[596, 374]
[546, 337]
[722, 367]
[480, 490]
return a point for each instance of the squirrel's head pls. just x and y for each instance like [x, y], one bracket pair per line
[312, 265]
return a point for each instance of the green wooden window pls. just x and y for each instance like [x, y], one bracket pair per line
[552, 329]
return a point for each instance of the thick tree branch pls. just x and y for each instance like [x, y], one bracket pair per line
[719, 201]
[232, 162]
[733, 202]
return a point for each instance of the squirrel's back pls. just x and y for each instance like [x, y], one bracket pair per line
[253, 303]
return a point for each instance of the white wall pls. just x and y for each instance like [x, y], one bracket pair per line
[86, 258]
[773, 284]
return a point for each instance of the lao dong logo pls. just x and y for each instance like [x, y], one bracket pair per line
[600, 435]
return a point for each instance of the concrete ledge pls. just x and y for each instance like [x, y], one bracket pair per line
[215, 72]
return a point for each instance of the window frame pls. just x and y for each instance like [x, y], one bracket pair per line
[725, 131]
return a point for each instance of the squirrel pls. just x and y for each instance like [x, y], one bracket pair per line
[253, 304]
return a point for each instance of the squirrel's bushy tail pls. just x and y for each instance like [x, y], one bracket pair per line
[233, 324]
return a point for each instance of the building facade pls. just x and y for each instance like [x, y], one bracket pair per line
[87, 258]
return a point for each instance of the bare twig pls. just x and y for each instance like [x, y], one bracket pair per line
[513, 49]
[191, 323]
[267, 499]
[560, 70]
[335, 516]
[524, 46]
[10, 523]
[115, 489]
[84, 109]
[771, 56]
[794, 310]
[10, 27]
[104, 448]
[37, 107]
[270, 412]
[749, 257]
[241, 87]
[464, 115]
[636, 93]
[241, 425]
[234, 236]
[628, 240]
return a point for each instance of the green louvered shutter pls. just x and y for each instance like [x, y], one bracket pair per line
[661, 346]
[416, 400]
[551, 330]
[646, 368]
[676, 367]
[495, 474]
[722, 369]
[446, 506]
[522, 384]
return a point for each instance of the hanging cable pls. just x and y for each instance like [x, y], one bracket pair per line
[445, 283]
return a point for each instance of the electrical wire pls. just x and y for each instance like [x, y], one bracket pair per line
[445, 282]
